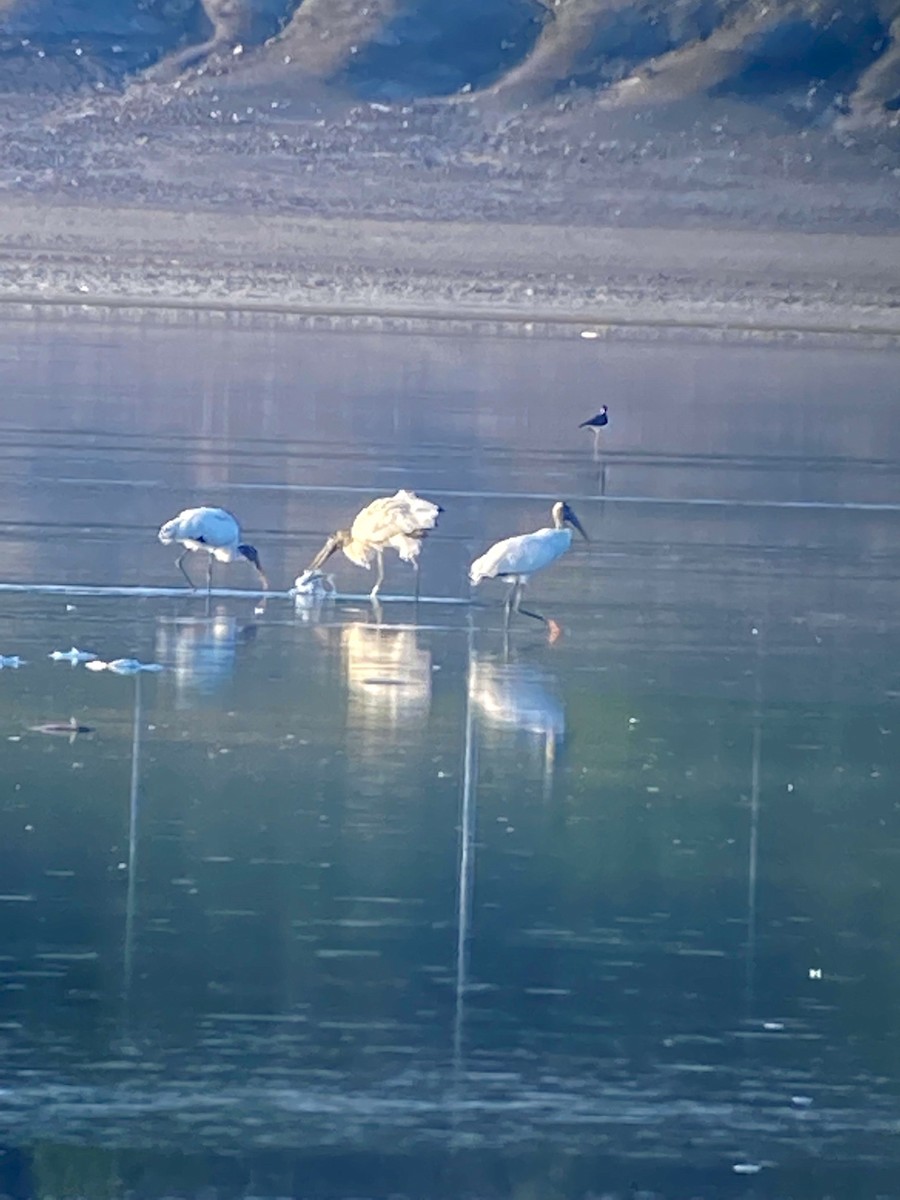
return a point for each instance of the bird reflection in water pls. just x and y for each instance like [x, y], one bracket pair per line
[389, 688]
[520, 698]
[201, 652]
[127, 1045]
[313, 594]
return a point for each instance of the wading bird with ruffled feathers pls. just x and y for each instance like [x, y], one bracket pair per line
[400, 522]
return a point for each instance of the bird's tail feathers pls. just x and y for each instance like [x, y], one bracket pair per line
[168, 533]
[406, 546]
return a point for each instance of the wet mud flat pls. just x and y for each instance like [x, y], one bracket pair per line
[242, 197]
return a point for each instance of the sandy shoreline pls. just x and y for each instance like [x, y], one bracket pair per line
[123, 256]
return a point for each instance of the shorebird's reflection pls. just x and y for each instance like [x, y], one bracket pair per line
[389, 686]
[201, 653]
[520, 698]
[126, 1043]
[465, 878]
[756, 754]
[133, 795]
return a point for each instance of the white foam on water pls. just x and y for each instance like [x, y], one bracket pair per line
[75, 589]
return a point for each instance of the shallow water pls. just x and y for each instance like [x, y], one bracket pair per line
[354, 904]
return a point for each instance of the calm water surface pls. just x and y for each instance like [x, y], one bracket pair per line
[348, 904]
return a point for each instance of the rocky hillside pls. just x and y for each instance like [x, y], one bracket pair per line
[826, 62]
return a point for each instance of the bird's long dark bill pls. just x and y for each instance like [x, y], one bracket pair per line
[576, 524]
[323, 556]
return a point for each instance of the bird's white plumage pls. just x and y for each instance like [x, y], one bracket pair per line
[212, 529]
[399, 521]
[521, 556]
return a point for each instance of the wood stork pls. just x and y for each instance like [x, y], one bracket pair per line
[213, 530]
[400, 522]
[517, 558]
[596, 424]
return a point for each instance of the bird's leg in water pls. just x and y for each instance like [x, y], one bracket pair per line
[596, 432]
[380, 580]
[508, 606]
[209, 576]
[517, 604]
[415, 566]
[553, 629]
[183, 569]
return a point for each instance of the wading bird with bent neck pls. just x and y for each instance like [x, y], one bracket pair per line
[517, 558]
[214, 530]
[400, 522]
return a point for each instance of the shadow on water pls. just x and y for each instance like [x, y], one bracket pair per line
[353, 901]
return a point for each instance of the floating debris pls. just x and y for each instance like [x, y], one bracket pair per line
[11, 660]
[314, 585]
[123, 666]
[746, 1168]
[73, 656]
[70, 729]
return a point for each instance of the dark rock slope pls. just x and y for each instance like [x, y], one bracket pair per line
[834, 61]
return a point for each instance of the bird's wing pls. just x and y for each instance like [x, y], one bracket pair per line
[417, 513]
[404, 513]
[521, 555]
[209, 526]
[212, 526]
[497, 560]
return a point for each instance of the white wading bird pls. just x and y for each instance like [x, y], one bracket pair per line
[399, 522]
[517, 558]
[213, 530]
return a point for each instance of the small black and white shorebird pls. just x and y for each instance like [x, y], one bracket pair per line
[515, 559]
[214, 530]
[596, 424]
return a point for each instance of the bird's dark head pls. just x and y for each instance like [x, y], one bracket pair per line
[564, 514]
[252, 556]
